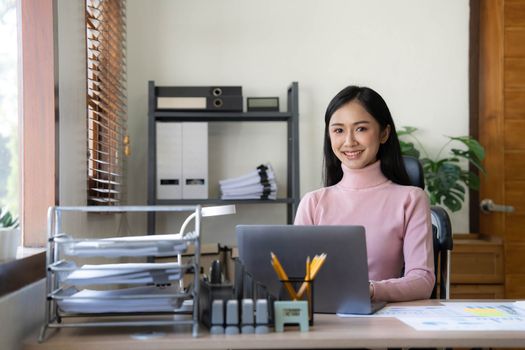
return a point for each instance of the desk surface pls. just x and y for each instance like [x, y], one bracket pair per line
[329, 331]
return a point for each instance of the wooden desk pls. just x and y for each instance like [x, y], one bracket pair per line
[329, 331]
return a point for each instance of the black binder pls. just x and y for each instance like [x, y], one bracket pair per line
[198, 91]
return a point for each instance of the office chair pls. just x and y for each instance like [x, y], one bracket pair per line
[441, 232]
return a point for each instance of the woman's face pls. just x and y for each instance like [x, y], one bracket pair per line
[355, 135]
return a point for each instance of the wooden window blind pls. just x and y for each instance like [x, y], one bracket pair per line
[108, 142]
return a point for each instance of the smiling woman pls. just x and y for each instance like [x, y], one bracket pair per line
[367, 184]
[356, 136]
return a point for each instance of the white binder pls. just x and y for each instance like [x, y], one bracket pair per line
[182, 160]
[169, 160]
[194, 160]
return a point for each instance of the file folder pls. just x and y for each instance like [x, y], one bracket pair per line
[169, 160]
[194, 160]
[198, 91]
[182, 160]
[221, 103]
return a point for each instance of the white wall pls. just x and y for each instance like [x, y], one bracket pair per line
[21, 313]
[414, 53]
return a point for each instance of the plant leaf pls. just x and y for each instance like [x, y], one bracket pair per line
[472, 144]
[470, 156]
[446, 182]
[471, 180]
[446, 176]
[406, 130]
[7, 219]
[452, 203]
[408, 149]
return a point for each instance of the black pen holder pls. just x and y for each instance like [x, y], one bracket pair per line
[303, 289]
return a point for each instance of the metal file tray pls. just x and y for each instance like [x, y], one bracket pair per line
[158, 246]
[128, 288]
[144, 299]
[70, 273]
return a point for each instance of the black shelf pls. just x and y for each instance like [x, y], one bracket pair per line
[218, 201]
[290, 117]
[166, 115]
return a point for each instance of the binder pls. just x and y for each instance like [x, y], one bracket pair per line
[194, 160]
[169, 160]
[201, 103]
[182, 160]
[198, 91]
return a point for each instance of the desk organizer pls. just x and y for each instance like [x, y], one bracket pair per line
[154, 293]
[304, 290]
[208, 294]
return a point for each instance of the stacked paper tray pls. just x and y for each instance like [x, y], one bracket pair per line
[137, 246]
[124, 273]
[145, 299]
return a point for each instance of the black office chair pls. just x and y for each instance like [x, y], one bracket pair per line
[441, 232]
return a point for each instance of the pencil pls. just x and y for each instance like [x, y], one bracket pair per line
[283, 276]
[318, 264]
[307, 279]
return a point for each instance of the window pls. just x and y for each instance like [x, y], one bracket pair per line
[106, 100]
[9, 150]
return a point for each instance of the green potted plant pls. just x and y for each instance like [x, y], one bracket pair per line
[445, 180]
[9, 235]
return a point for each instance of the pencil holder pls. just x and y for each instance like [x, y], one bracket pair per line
[297, 288]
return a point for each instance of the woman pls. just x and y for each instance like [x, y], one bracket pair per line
[367, 184]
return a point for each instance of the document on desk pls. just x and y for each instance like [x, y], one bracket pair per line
[409, 311]
[471, 316]
[470, 323]
[460, 316]
[520, 304]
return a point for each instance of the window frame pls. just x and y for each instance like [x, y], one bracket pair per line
[38, 130]
[38, 116]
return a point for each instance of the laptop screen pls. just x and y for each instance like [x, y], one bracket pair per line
[341, 286]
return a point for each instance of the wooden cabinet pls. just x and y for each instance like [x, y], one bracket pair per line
[477, 269]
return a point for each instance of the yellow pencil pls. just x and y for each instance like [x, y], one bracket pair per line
[314, 267]
[283, 276]
[307, 278]
[318, 264]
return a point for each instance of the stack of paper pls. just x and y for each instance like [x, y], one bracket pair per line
[258, 184]
[127, 273]
[149, 245]
[137, 299]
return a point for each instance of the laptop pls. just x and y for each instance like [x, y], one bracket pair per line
[341, 286]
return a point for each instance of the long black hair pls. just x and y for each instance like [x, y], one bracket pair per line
[389, 153]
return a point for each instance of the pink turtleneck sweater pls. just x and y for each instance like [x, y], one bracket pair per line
[397, 223]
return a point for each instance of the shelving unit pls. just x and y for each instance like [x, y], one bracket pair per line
[290, 117]
[108, 304]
